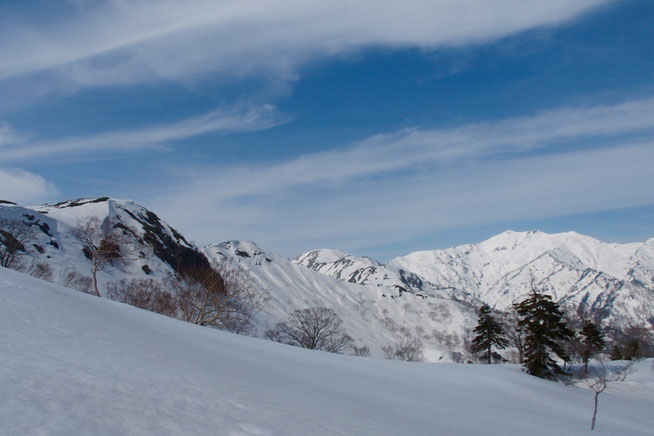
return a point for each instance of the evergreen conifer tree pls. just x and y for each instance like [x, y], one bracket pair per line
[632, 350]
[616, 353]
[489, 333]
[592, 341]
[545, 331]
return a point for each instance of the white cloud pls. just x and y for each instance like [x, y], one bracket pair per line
[413, 182]
[425, 149]
[24, 187]
[234, 120]
[122, 42]
[7, 134]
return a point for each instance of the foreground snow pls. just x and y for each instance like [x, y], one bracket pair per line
[71, 363]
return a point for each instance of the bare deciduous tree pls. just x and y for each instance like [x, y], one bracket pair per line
[77, 281]
[515, 333]
[145, 294]
[362, 351]
[315, 328]
[228, 303]
[40, 270]
[599, 379]
[103, 243]
[14, 236]
[405, 348]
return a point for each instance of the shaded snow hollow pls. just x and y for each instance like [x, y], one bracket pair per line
[71, 363]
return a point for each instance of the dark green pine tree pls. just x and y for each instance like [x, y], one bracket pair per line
[592, 341]
[616, 353]
[633, 350]
[545, 332]
[489, 334]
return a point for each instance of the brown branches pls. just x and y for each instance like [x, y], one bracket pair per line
[315, 328]
[14, 236]
[226, 302]
[103, 243]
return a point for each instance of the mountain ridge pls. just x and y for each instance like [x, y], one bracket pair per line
[428, 295]
[576, 269]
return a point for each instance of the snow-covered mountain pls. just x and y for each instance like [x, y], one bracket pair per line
[373, 315]
[75, 364]
[362, 270]
[429, 295]
[48, 232]
[615, 282]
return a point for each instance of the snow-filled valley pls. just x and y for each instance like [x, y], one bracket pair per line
[72, 363]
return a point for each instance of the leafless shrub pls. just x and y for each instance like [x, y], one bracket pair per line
[315, 328]
[362, 351]
[600, 377]
[41, 270]
[405, 348]
[245, 300]
[390, 324]
[144, 294]
[228, 303]
[14, 236]
[77, 281]
[275, 335]
[103, 244]
[515, 334]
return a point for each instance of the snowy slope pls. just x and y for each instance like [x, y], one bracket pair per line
[157, 247]
[372, 315]
[613, 281]
[428, 295]
[72, 363]
[362, 270]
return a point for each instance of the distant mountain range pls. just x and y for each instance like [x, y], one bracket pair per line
[429, 295]
[614, 282]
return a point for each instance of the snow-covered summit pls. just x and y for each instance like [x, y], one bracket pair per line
[362, 270]
[49, 233]
[613, 281]
[241, 251]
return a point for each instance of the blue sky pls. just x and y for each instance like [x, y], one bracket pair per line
[379, 129]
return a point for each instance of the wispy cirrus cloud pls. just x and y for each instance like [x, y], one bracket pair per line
[419, 149]
[240, 119]
[127, 42]
[419, 180]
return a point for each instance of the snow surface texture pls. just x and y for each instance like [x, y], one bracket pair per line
[71, 363]
[613, 281]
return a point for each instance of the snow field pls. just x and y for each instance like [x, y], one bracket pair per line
[71, 363]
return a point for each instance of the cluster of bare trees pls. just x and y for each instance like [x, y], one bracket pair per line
[406, 347]
[145, 294]
[14, 239]
[315, 328]
[227, 302]
[198, 295]
[204, 297]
